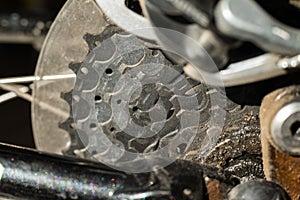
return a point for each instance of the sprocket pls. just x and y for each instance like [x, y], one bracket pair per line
[150, 96]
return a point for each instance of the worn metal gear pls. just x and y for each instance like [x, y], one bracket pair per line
[158, 106]
[240, 139]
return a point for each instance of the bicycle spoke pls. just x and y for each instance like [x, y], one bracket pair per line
[28, 79]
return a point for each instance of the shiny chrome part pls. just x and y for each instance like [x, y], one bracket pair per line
[290, 63]
[126, 19]
[246, 20]
[285, 128]
[255, 69]
[244, 72]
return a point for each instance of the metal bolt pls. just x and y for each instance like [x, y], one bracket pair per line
[257, 190]
[285, 128]
[290, 63]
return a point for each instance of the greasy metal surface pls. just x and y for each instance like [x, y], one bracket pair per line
[238, 149]
[29, 174]
[279, 167]
[64, 45]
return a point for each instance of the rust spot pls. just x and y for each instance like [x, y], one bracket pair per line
[216, 190]
[247, 118]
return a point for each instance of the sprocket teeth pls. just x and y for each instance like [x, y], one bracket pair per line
[204, 95]
[67, 96]
[69, 124]
[66, 125]
[75, 67]
[95, 40]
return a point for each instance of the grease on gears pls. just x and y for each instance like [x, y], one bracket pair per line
[238, 149]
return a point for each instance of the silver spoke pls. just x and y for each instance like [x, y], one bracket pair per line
[11, 95]
[28, 79]
[16, 89]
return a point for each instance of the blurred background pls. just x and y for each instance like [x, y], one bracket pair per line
[23, 27]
